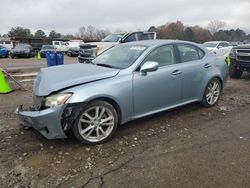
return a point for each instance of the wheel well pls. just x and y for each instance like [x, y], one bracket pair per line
[113, 103]
[221, 82]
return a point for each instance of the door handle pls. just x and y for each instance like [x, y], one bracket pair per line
[176, 72]
[207, 65]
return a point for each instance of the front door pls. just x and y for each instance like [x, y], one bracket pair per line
[160, 89]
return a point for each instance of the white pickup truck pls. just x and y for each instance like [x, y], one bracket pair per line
[89, 50]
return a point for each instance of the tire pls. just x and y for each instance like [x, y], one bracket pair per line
[12, 57]
[69, 54]
[212, 93]
[234, 72]
[97, 118]
[7, 55]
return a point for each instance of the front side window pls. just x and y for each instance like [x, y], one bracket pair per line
[163, 55]
[120, 56]
[188, 52]
[133, 37]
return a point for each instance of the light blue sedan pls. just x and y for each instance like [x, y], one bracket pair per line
[126, 82]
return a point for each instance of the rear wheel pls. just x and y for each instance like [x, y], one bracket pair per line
[96, 124]
[212, 93]
[235, 72]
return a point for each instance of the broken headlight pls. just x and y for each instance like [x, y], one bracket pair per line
[57, 99]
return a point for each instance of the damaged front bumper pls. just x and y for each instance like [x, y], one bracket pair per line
[48, 122]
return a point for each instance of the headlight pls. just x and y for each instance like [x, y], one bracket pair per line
[57, 99]
[98, 49]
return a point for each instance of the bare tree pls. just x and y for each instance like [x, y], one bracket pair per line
[215, 25]
[91, 33]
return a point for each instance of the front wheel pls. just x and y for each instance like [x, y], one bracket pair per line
[235, 72]
[212, 93]
[96, 124]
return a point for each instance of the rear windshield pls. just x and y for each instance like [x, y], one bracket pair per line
[22, 47]
[210, 44]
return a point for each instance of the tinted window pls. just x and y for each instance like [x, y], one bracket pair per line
[224, 44]
[7, 42]
[132, 37]
[147, 36]
[163, 55]
[56, 43]
[188, 52]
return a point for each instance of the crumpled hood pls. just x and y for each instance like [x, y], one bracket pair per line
[59, 77]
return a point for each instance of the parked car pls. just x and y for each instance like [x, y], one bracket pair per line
[73, 52]
[240, 61]
[4, 52]
[126, 82]
[221, 48]
[22, 50]
[88, 51]
[45, 49]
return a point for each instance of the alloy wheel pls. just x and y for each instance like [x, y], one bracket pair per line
[96, 123]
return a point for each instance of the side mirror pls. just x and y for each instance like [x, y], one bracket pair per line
[149, 66]
[219, 46]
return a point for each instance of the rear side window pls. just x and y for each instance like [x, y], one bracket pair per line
[163, 55]
[147, 36]
[7, 42]
[189, 52]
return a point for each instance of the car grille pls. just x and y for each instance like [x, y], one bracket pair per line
[87, 50]
[243, 55]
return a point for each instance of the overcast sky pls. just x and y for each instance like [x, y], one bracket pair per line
[67, 16]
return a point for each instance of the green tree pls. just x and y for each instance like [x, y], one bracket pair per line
[19, 32]
[188, 34]
[53, 34]
[40, 34]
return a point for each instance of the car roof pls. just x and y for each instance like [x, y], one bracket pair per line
[215, 41]
[158, 42]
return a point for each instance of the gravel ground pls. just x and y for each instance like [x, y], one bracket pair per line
[190, 146]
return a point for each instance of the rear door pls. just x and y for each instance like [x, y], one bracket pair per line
[195, 70]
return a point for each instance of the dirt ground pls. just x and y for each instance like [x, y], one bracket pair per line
[190, 146]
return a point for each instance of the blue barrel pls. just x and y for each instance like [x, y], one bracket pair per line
[59, 58]
[51, 58]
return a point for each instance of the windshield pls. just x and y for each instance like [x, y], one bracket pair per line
[21, 47]
[112, 38]
[121, 56]
[48, 47]
[210, 44]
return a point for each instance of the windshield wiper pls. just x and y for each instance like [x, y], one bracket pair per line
[106, 65]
